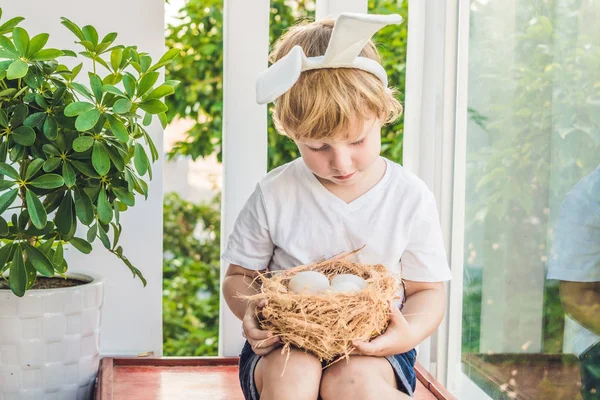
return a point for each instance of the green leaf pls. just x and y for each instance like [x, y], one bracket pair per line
[140, 160]
[5, 253]
[100, 158]
[83, 206]
[3, 119]
[7, 199]
[78, 108]
[146, 83]
[21, 40]
[81, 245]
[113, 89]
[68, 175]
[47, 55]
[18, 276]
[153, 106]
[51, 128]
[50, 149]
[64, 218]
[72, 27]
[116, 158]
[129, 84]
[34, 119]
[58, 259]
[34, 167]
[9, 46]
[31, 273]
[109, 38]
[79, 88]
[121, 106]
[105, 212]
[39, 260]
[118, 128]
[10, 24]
[87, 120]
[104, 237]
[75, 71]
[116, 55]
[85, 169]
[17, 69]
[19, 114]
[162, 117]
[161, 91]
[90, 34]
[125, 196]
[4, 184]
[37, 213]
[3, 231]
[147, 119]
[8, 170]
[48, 181]
[96, 84]
[91, 233]
[37, 43]
[51, 164]
[83, 143]
[24, 135]
[169, 55]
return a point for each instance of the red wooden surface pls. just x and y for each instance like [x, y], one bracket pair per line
[193, 378]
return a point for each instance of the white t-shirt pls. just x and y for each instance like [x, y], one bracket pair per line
[291, 219]
[575, 255]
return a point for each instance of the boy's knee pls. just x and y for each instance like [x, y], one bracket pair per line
[299, 378]
[361, 379]
[342, 378]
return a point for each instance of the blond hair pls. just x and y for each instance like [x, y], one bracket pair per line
[324, 103]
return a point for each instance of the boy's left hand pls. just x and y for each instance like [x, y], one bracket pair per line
[397, 339]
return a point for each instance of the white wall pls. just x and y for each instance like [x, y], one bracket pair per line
[132, 315]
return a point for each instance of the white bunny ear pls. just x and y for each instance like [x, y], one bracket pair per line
[280, 76]
[351, 33]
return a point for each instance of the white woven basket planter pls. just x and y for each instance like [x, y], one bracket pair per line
[49, 342]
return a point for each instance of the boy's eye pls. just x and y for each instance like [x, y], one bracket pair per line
[358, 143]
[324, 147]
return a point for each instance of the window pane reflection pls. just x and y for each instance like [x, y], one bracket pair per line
[531, 306]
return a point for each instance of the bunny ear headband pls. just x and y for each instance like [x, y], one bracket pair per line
[351, 33]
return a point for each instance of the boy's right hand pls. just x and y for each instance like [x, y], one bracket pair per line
[262, 342]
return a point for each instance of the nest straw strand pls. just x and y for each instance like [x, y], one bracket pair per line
[325, 324]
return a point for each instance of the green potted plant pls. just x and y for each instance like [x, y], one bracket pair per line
[74, 151]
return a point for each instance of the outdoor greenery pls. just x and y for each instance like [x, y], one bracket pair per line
[191, 277]
[71, 149]
[190, 323]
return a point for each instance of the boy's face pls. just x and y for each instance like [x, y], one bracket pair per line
[344, 163]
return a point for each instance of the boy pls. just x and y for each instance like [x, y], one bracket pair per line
[331, 98]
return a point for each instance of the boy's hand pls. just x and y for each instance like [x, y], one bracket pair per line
[397, 338]
[262, 342]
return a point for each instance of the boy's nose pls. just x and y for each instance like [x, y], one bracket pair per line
[342, 161]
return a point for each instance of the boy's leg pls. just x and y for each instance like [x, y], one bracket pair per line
[362, 378]
[300, 380]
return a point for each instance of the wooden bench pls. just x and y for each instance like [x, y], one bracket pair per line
[198, 378]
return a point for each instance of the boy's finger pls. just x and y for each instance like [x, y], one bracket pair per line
[257, 334]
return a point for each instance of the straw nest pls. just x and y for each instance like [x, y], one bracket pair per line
[325, 324]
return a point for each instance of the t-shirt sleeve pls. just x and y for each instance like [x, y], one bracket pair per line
[424, 259]
[575, 253]
[250, 245]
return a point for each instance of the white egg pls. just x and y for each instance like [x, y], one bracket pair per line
[356, 280]
[345, 287]
[309, 282]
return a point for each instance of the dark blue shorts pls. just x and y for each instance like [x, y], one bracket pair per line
[402, 364]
